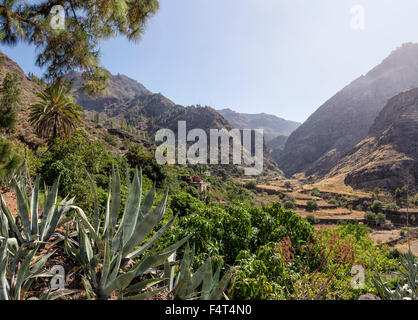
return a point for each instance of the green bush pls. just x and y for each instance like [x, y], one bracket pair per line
[333, 201]
[289, 204]
[137, 156]
[376, 206]
[380, 218]
[251, 184]
[312, 219]
[392, 207]
[72, 159]
[315, 192]
[311, 205]
[370, 217]
[184, 204]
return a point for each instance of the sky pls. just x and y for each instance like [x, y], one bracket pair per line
[282, 57]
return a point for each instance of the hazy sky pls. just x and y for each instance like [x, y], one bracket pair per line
[284, 57]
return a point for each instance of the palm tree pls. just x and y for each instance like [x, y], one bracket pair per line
[55, 115]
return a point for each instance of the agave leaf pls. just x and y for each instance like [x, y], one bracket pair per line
[151, 242]
[49, 208]
[86, 223]
[96, 217]
[145, 295]
[143, 285]
[159, 258]
[23, 273]
[23, 207]
[123, 280]
[207, 281]
[4, 294]
[11, 220]
[106, 265]
[146, 225]
[4, 225]
[54, 295]
[132, 207]
[116, 261]
[221, 287]
[183, 289]
[36, 269]
[201, 273]
[116, 198]
[59, 211]
[34, 207]
[148, 202]
[88, 288]
[185, 262]
[107, 215]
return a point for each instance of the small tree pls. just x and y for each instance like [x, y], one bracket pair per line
[315, 192]
[311, 205]
[288, 185]
[380, 218]
[10, 91]
[376, 206]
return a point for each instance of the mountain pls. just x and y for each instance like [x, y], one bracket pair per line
[120, 88]
[23, 130]
[149, 112]
[388, 157]
[345, 119]
[273, 126]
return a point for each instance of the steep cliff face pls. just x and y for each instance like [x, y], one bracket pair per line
[388, 157]
[344, 120]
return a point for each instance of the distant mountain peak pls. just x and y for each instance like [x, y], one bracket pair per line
[273, 126]
[345, 119]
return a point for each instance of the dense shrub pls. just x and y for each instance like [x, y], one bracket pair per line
[333, 201]
[380, 218]
[311, 205]
[72, 159]
[251, 184]
[392, 207]
[370, 217]
[183, 204]
[288, 204]
[315, 192]
[312, 219]
[376, 206]
[137, 156]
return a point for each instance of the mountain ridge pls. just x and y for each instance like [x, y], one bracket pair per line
[345, 119]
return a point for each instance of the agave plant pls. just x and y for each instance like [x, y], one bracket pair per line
[107, 244]
[186, 283]
[32, 229]
[407, 289]
[16, 275]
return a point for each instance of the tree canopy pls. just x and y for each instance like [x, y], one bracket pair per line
[67, 33]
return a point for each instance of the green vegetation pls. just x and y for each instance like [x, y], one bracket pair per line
[392, 207]
[76, 46]
[315, 192]
[10, 98]
[376, 206]
[406, 287]
[311, 219]
[106, 249]
[311, 205]
[55, 115]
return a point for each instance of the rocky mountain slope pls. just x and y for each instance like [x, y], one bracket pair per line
[273, 126]
[388, 157]
[148, 112]
[345, 119]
